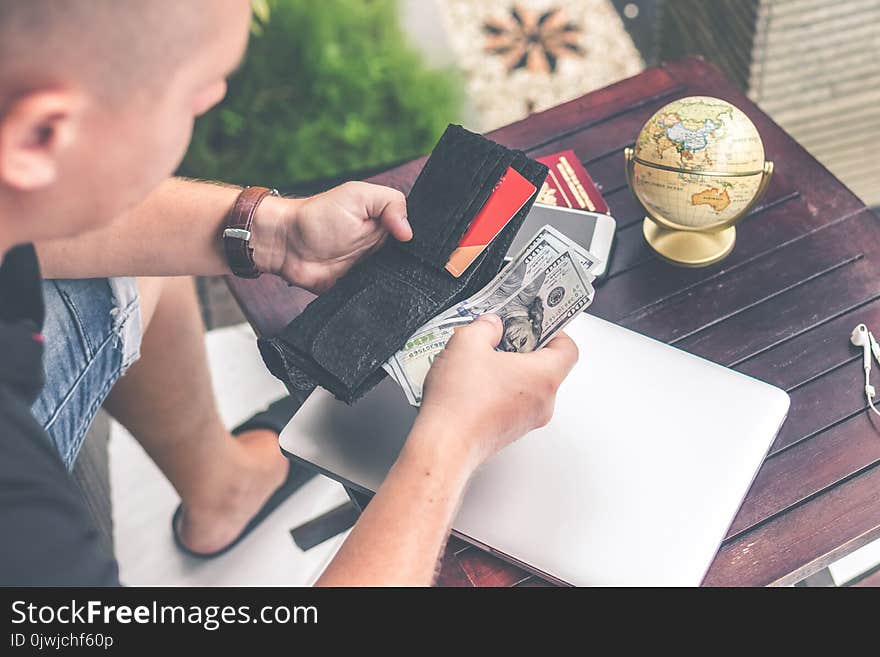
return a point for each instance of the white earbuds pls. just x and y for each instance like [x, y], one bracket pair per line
[862, 337]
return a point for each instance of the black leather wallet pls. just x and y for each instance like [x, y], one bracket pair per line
[342, 337]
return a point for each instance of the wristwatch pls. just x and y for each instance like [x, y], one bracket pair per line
[237, 231]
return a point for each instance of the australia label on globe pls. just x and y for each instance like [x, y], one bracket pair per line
[699, 162]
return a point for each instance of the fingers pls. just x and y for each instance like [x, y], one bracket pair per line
[565, 347]
[558, 356]
[485, 330]
[388, 207]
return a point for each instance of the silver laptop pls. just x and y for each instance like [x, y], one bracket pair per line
[635, 481]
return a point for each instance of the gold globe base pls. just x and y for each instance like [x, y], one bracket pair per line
[689, 248]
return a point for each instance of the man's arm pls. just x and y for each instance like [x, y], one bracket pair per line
[477, 400]
[176, 231]
[403, 530]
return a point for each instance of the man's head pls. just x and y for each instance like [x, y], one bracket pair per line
[97, 101]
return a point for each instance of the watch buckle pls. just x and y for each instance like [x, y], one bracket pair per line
[238, 234]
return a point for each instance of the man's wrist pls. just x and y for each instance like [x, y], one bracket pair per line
[269, 231]
[443, 446]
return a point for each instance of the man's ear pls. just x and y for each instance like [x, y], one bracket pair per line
[35, 130]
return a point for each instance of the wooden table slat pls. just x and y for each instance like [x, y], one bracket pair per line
[683, 318]
[653, 282]
[587, 111]
[804, 357]
[451, 573]
[810, 467]
[823, 403]
[804, 540]
[747, 332]
[635, 297]
[632, 252]
[489, 572]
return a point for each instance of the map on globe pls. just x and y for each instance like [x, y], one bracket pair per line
[699, 162]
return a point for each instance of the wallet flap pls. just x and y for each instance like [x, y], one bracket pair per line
[453, 185]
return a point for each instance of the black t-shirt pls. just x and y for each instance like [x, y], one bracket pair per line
[48, 538]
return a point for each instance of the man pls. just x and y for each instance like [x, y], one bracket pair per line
[97, 100]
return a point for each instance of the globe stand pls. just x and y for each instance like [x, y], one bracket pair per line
[689, 248]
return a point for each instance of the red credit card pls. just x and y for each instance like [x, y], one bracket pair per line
[569, 185]
[509, 195]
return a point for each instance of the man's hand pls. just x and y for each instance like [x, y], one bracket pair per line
[311, 242]
[490, 398]
[477, 400]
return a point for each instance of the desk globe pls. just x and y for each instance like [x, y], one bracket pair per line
[697, 168]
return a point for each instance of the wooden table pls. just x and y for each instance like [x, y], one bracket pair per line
[804, 273]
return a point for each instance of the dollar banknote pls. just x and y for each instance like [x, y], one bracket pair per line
[545, 304]
[409, 366]
[546, 245]
[543, 288]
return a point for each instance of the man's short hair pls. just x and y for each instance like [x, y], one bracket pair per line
[112, 46]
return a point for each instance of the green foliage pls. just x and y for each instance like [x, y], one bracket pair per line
[327, 87]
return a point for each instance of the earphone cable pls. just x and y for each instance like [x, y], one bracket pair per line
[871, 404]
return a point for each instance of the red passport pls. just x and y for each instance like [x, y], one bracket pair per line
[569, 185]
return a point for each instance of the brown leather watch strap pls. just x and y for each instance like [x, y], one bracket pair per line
[237, 232]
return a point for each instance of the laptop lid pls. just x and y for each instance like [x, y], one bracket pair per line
[635, 481]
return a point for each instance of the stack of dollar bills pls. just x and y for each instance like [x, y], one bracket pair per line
[536, 294]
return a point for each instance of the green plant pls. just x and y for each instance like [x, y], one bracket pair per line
[326, 87]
